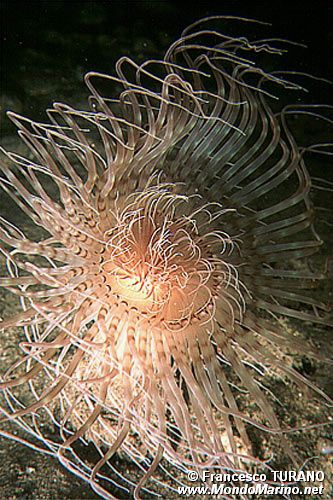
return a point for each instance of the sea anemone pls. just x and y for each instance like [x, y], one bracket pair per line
[175, 230]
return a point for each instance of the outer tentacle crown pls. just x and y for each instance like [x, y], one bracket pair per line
[172, 215]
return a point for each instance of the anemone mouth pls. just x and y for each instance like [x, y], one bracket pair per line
[166, 262]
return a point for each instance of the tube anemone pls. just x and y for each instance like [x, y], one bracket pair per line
[178, 224]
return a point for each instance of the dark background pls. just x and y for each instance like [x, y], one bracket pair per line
[47, 46]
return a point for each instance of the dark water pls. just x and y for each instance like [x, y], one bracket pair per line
[47, 46]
